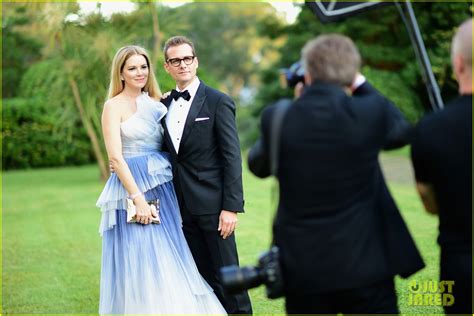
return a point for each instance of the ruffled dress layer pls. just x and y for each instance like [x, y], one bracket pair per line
[148, 269]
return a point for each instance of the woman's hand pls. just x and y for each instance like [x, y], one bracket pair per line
[166, 94]
[144, 212]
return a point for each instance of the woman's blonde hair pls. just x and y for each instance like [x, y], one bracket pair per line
[117, 85]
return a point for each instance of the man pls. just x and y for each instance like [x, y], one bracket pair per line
[341, 237]
[201, 135]
[442, 157]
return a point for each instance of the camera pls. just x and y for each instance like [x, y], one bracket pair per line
[289, 77]
[267, 272]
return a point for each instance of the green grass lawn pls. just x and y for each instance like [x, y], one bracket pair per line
[52, 249]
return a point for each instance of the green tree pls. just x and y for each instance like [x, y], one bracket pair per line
[66, 37]
[72, 69]
[31, 138]
[26, 52]
[227, 42]
[76, 63]
[389, 59]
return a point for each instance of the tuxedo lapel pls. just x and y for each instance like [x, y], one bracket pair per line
[196, 107]
[167, 103]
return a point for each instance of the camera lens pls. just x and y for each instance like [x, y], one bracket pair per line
[237, 279]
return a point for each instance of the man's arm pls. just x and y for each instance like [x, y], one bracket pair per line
[259, 154]
[420, 157]
[258, 160]
[399, 130]
[428, 197]
[229, 148]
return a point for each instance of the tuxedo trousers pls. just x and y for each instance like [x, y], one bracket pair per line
[210, 253]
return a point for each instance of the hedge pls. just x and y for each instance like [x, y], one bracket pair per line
[33, 136]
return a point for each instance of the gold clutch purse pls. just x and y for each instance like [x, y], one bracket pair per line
[132, 211]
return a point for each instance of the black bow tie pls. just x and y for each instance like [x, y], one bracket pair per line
[183, 94]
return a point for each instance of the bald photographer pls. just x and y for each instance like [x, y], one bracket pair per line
[442, 158]
[341, 237]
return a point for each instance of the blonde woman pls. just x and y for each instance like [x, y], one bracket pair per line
[147, 268]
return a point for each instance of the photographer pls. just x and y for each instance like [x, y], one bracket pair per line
[442, 156]
[340, 234]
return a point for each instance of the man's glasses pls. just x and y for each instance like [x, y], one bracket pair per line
[176, 62]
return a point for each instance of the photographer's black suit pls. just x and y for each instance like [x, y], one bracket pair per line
[207, 174]
[340, 233]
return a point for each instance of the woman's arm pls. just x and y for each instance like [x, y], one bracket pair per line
[111, 118]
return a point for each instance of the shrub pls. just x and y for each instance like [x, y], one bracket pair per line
[32, 137]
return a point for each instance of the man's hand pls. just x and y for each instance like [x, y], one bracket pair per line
[428, 197]
[227, 223]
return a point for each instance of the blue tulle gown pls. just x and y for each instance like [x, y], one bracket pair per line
[148, 269]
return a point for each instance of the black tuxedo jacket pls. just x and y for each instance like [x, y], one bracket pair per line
[337, 225]
[207, 170]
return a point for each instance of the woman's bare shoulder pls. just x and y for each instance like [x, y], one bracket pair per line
[117, 101]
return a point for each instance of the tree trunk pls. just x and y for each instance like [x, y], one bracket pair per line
[156, 30]
[156, 34]
[104, 170]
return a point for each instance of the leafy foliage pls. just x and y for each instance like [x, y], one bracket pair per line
[389, 59]
[31, 137]
[226, 40]
[27, 49]
[50, 47]
[78, 51]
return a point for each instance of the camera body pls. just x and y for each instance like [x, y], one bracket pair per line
[267, 272]
[289, 77]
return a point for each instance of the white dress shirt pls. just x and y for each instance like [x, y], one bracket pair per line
[178, 112]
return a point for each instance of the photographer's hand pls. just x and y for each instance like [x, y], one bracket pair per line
[299, 87]
[227, 223]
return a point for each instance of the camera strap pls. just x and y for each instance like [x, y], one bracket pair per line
[281, 107]
[276, 289]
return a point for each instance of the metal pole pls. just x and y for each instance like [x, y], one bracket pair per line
[420, 50]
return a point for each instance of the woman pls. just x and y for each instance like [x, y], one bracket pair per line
[147, 268]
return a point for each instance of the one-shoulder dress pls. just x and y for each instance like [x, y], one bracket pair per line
[148, 269]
